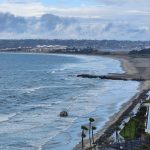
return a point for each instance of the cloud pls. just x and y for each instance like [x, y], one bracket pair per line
[23, 8]
[96, 19]
[10, 23]
[121, 2]
[21, 1]
[52, 26]
[95, 8]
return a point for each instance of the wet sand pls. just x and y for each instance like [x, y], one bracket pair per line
[134, 67]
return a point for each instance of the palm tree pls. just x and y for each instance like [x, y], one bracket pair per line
[90, 124]
[117, 128]
[130, 127]
[124, 128]
[131, 135]
[93, 128]
[83, 135]
[124, 134]
[147, 139]
[135, 126]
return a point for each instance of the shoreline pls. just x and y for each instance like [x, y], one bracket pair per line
[129, 69]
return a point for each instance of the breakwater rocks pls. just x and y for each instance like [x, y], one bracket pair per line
[110, 77]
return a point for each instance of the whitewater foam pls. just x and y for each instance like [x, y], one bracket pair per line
[33, 89]
[6, 117]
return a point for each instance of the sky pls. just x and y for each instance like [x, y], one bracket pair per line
[77, 8]
[93, 19]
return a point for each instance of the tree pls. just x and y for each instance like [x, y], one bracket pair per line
[90, 125]
[135, 127]
[124, 128]
[130, 124]
[117, 128]
[145, 147]
[147, 137]
[83, 135]
[93, 128]
[124, 133]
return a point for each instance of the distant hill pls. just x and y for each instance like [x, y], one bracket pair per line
[103, 45]
[141, 52]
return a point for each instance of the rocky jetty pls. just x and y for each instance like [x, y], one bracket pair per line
[110, 77]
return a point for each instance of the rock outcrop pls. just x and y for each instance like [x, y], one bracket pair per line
[63, 114]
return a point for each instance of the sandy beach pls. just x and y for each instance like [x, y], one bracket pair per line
[134, 67]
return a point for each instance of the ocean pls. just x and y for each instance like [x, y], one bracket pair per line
[35, 88]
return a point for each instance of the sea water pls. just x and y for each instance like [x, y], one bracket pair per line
[35, 88]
